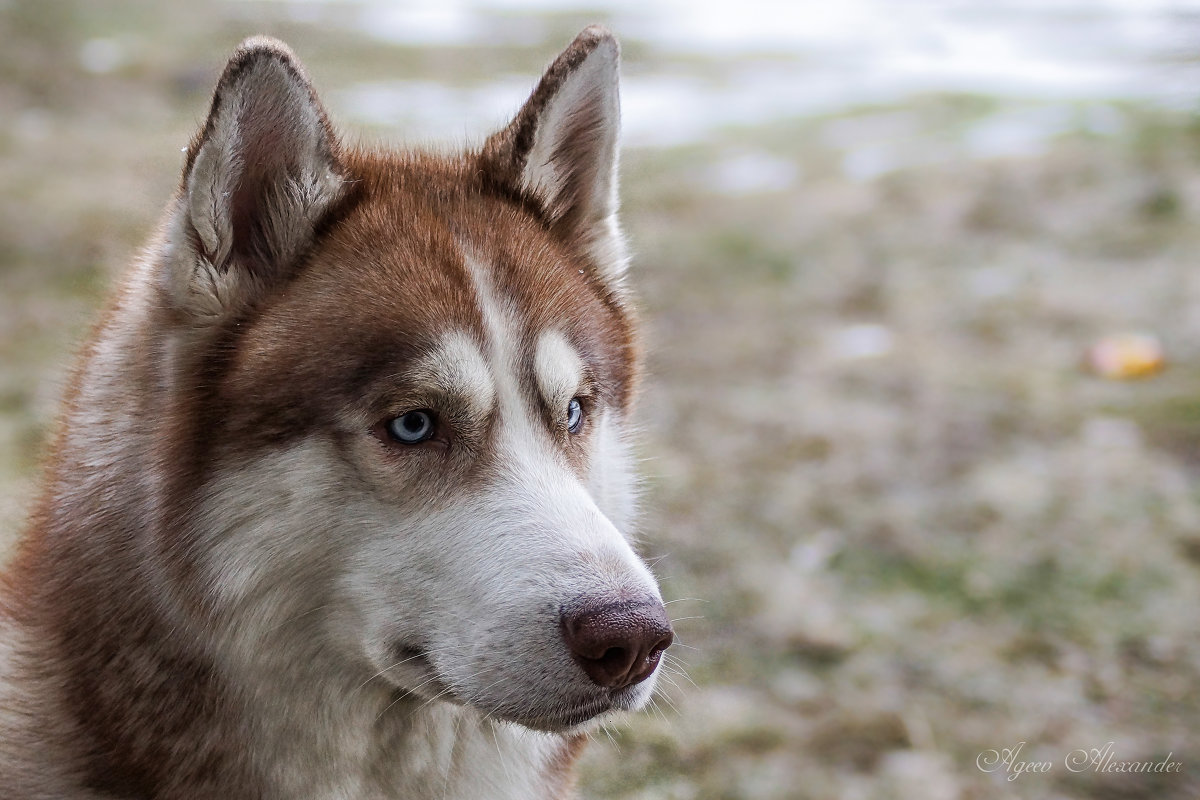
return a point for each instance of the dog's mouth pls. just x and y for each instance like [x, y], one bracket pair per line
[413, 674]
[566, 718]
[572, 714]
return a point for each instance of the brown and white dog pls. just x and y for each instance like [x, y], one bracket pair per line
[340, 501]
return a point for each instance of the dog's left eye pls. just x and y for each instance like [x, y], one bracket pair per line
[574, 415]
[412, 428]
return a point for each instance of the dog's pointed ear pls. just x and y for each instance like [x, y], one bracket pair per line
[560, 151]
[259, 176]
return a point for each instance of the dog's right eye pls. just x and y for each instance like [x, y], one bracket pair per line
[412, 428]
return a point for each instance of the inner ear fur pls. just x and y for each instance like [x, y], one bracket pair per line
[560, 152]
[259, 176]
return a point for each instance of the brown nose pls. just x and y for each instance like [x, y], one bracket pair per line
[617, 644]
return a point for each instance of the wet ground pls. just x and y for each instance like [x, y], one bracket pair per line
[903, 527]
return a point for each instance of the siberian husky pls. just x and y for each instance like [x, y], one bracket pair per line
[340, 501]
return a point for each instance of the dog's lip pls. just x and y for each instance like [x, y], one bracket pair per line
[409, 660]
[624, 697]
[567, 718]
[572, 714]
[411, 656]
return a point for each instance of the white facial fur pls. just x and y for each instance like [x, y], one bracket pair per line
[558, 369]
[458, 599]
[500, 564]
[457, 368]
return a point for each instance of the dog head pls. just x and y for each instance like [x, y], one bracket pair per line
[401, 385]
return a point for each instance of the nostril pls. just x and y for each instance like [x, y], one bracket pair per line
[614, 656]
[650, 662]
[617, 644]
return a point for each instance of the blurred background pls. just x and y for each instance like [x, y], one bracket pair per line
[914, 504]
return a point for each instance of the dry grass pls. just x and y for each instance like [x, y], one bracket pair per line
[886, 564]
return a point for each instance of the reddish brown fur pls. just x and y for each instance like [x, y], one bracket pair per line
[116, 692]
[561, 773]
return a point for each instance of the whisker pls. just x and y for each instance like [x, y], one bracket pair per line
[662, 696]
[658, 712]
[674, 666]
[436, 697]
[450, 689]
[454, 752]
[401, 697]
[500, 753]
[385, 669]
[447, 649]
[667, 676]
[604, 726]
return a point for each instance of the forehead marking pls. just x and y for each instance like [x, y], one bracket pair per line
[457, 367]
[502, 330]
[558, 368]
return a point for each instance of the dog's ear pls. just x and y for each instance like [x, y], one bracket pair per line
[560, 151]
[259, 176]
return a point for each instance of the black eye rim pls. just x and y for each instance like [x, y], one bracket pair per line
[391, 427]
[575, 415]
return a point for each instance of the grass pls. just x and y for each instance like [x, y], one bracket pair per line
[897, 562]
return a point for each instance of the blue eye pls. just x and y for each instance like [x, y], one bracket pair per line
[412, 428]
[574, 415]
